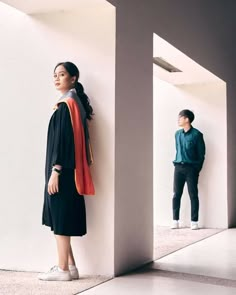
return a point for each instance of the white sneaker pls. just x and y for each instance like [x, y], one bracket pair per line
[55, 274]
[74, 272]
[175, 224]
[194, 225]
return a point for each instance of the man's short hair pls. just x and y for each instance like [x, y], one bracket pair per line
[187, 114]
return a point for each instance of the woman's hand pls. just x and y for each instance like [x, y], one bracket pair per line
[53, 183]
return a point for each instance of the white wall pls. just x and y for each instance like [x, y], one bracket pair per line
[30, 48]
[208, 101]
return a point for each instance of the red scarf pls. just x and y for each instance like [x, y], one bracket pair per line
[83, 179]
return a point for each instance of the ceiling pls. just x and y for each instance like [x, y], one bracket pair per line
[192, 72]
[44, 6]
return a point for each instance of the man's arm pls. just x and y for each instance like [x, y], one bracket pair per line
[201, 150]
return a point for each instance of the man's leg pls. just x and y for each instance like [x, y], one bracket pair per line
[179, 180]
[192, 183]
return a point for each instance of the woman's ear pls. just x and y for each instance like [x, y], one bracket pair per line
[73, 79]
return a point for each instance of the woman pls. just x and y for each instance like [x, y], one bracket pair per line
[67, 170]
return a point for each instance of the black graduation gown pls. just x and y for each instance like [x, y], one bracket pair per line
[64, 211]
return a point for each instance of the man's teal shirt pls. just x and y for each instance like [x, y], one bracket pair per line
[190, 147]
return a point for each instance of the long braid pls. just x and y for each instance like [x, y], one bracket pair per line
[84, 99]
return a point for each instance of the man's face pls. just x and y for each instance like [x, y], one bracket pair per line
[183, 121]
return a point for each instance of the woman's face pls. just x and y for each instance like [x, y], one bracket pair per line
[62, 79]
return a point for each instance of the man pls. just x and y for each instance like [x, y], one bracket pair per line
[190, 155]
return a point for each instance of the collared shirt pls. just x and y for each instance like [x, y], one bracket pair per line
[190, 147]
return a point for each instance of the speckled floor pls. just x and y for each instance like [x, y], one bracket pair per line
[208, 265]
[27, 283]
[167, 240]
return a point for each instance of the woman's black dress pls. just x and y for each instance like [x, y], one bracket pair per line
[64, 211]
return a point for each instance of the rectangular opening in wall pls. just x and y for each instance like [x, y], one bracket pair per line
[197, 89]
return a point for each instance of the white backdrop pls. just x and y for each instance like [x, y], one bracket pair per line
[208, 101]
[30, 48]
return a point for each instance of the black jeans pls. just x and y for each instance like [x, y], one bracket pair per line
[185, 173]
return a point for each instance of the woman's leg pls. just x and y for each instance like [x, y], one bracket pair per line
[72, 267]
[63, 249]
[71, 259]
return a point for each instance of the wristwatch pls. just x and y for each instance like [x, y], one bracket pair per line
[56, 170]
